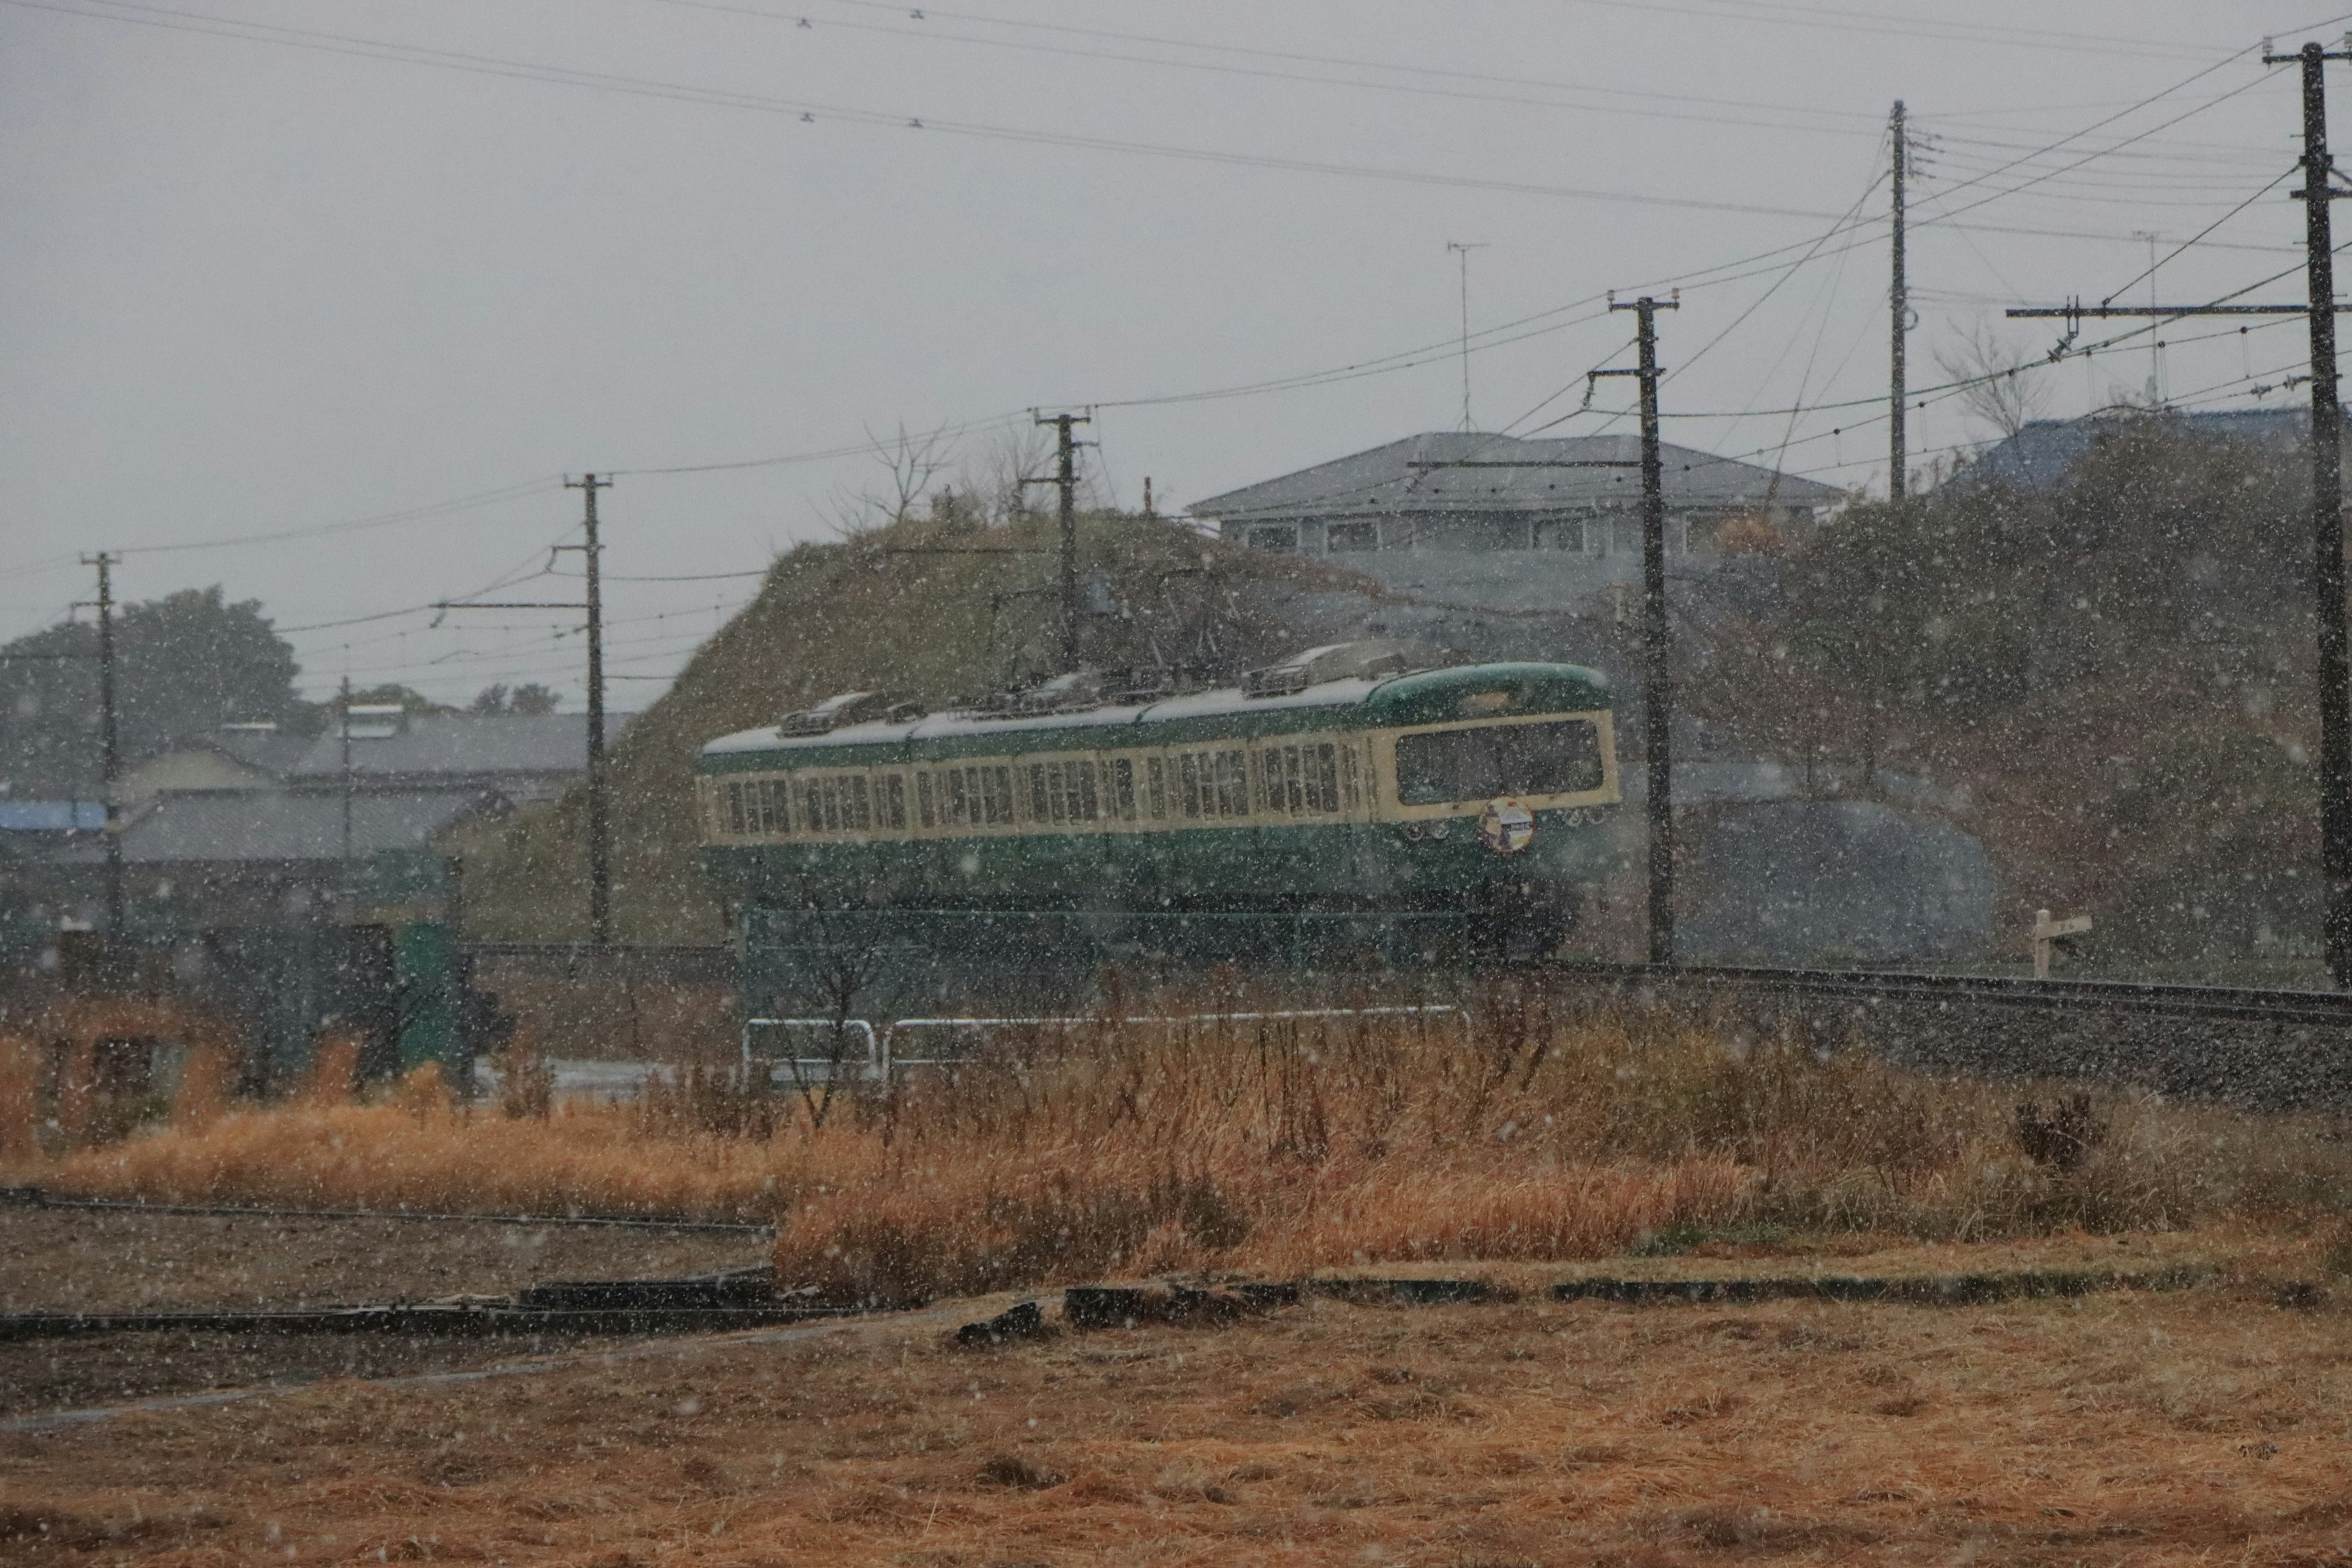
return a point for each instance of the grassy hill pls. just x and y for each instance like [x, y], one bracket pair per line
[926, 609]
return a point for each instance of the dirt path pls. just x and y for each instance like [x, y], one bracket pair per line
[102, 1260]
[97, 1261]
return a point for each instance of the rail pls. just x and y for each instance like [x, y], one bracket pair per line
[2254, 1004]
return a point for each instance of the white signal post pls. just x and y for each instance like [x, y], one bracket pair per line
[2048, 933]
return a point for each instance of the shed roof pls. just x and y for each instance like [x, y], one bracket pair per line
[1395, 480]
[229, 826]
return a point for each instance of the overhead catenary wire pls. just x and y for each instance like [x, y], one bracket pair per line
[812, 111]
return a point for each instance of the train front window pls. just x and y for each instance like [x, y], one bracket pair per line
[1558, 757]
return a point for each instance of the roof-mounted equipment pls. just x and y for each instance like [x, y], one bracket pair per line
[1366, 659]
[849, 708]
[1071, 693]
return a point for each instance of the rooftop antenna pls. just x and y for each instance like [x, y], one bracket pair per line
[2155, 338]
[1462, 250]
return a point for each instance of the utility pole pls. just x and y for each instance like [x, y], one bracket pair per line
[600, 867]
[110, 737]
[600, 881]
[350, 881]
[1462, 250]
[1898, 299]
[2327, 515]
[1065, 478]
[2319, 308]
[1657, 674]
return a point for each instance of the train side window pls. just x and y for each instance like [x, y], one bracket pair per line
[775, 816]
[856, 804]
[1232, 783]
[892, 811]
[1188, 770]
[1122, 788]
[1350, 777]
[735, 808]
[1086, 800]
[923, 810]
[1323, 779]
[959, 805]
[1038, 810]
[997, 787]
[1156, 776]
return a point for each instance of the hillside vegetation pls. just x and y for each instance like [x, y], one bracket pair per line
[2111, 683]
[929, 608]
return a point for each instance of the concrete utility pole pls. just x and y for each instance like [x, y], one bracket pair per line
[2319, 308]
[600, 866]
[351, 882]
[110, 736]
[1898, 299]
[599, 875]
[1657, 672]
[2327, 513]
[1065, 478]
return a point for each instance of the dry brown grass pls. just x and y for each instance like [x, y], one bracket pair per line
[2197, 1428]
[20, 1110]
[1278, 1147]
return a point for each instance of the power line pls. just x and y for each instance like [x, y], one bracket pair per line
[811, 110]
[928, 33]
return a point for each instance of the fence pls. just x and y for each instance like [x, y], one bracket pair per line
[882, 1057]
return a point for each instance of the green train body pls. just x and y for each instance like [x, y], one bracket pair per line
[1475, 793]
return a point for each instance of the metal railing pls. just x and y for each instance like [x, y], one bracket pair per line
[882, 1059]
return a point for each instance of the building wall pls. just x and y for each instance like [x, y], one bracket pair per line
[194, 769]
[1605, 533]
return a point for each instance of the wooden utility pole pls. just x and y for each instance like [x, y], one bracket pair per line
[1657, 670]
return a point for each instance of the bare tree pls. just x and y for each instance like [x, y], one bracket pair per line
[2001, 389]
[837, 962]
[998, 477]
[910, 462]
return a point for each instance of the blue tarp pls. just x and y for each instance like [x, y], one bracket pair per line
[51, 816]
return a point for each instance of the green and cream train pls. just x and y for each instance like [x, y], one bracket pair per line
[1342, 798]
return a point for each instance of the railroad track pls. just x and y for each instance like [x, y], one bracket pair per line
[2240, 1002]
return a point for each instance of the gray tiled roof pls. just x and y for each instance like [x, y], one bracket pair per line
[461, 746]
[2041, 456]
[277, 824]
[1384, 480]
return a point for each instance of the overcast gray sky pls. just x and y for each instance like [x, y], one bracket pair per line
[278, 265]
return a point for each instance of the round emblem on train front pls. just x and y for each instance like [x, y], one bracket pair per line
[1505, 827]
